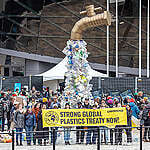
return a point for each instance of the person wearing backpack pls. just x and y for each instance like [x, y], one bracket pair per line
[146, 119]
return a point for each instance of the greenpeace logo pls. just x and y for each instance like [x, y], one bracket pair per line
[109, 111]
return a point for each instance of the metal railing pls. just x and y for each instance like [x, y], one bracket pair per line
[134, 137]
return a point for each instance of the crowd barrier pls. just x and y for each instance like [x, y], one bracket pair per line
[105, 138]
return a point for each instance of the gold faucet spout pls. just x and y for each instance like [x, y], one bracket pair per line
[88, 22]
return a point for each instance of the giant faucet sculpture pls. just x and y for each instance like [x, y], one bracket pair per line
[77, 86]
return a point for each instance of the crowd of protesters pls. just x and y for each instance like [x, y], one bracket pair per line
[27, 114]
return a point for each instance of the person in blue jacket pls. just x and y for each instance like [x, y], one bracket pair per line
[135, 110]
[30, 123]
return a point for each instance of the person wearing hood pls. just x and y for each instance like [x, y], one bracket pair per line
[110, 103]
[146, 119]
[135, 110]
[55, 101]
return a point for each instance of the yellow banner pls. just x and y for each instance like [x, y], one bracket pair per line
[109, 117]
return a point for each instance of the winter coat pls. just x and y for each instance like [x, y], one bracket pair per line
[19, 119]
[57, 103]
[1, 109]
[135, 109]
[4, 107]
[44, 134]
[145, 115]
[30, 119]
[87, 106]
[129, 115]
[36, 111]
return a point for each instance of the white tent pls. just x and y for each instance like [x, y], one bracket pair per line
[54, 76]
[58, 72]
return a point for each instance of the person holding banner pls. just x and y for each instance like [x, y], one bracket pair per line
[55, 106]
[95, 134]
[80, 134]
[43, 132]
[67, 129]
[118, 131]
[88, 136]
[129, 130]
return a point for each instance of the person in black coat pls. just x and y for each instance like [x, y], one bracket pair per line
[44, 132]
[129, 124]
[146, 119]
[88, 106]
[80, 134]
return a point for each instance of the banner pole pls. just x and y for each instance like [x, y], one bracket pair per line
[98, 143]
[54, 138]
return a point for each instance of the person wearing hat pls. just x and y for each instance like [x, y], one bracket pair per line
[146, 100]
[110, 103]
[55, 101]
[134, 108]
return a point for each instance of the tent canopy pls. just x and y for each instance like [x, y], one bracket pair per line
[59, 70]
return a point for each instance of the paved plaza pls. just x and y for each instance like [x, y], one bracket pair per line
[134, 146]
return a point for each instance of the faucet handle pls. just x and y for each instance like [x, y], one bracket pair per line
[91, 11]
[98, 9]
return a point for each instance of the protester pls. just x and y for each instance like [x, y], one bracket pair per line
[146, 119]
[134, 108]
[88, 106]
[67, 129]
[118, 131]
[129, 124]
[55, 106]
[43, 131]
[55, 102]
[32, 119]
[35, 110]
[5, 110]
[30, 124]
[19, 123]
[80, 133]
